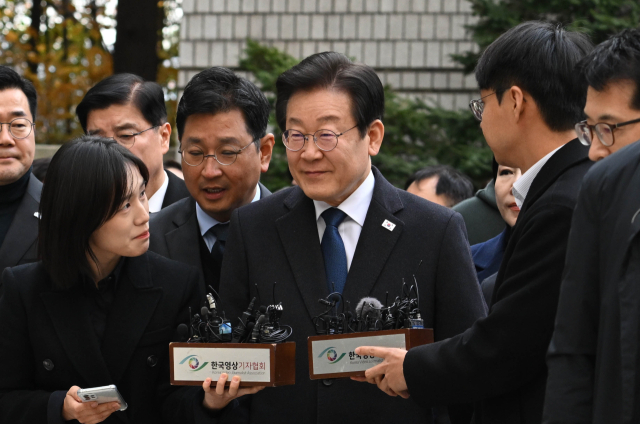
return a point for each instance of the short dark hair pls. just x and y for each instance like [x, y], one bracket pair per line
[87, 181]
[122, 89]
[451, 183]
[331, 70]
[615, 59]
[218, 89]
[11, 79]
[540, 58]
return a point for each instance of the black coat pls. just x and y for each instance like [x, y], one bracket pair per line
[594, 353]
[20, 244]
[276, 240]
[176, 190]
[175, 233]
[47, 342]
[500, 360]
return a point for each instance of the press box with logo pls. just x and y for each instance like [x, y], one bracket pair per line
[334, 356]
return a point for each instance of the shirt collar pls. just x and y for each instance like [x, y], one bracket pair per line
[356, 205]
[114, 277]
[206, 222]
[521, 187]
[155, 201]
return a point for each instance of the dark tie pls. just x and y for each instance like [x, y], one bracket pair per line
[217, 250]
[335, 257]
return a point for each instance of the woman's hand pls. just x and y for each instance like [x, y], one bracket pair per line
[219, 397]
[86, 413]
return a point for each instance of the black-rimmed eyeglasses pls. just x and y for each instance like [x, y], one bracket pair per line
[602, 130]
[19, 127]
[225, 154]
[326, 140]
[477, 106]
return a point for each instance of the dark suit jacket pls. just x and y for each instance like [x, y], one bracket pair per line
[176, 190]
[500, 361]
[47, 343]
[175, 233]
[20, 245]
[276, 240]
[593, 356]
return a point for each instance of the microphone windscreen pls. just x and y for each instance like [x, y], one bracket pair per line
[367, 304]
[250, 325]
[183, 332]
[262, 309]
[204, 311]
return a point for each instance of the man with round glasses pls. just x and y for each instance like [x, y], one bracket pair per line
[133, 112]
[19, 188]
[594, 354]
[222, 126]
[344, 229]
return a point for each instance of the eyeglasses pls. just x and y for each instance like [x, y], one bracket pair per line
[19, 127]
[477, 106]
[128, 139]
[602, 130]
[326, 140]
[224, 154]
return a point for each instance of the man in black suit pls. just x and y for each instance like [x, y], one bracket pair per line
[222, 125]
[530, 101]
[344, 229]
[593, 356]
[19, 189]
[133, 112]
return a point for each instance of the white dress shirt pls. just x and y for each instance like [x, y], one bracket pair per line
[155, 201]
[205, 222]
[521, 187]
[356, 207]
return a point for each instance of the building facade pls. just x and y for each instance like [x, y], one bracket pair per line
[407, 42]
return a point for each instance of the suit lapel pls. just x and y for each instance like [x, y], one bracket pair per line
[376, 242]
[299, 236]
[182, 242]
[23, 232]
[71, 320]
[567, 156]
[134, 304]
[176, 190]
[264, 192]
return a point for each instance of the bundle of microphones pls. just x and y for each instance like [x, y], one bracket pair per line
[370, 313]
[256, 325]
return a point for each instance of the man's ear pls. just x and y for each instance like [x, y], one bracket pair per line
[376, 134]
[266, 149]
[517, 102]
[165, 137]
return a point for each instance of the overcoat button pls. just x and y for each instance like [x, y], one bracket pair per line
[152, 361]
[48, 364]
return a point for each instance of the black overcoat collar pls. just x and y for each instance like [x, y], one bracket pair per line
[299, 235]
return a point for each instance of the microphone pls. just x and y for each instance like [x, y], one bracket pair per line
[204, 312]
[183, 332]
[256, 329]
[368, 313]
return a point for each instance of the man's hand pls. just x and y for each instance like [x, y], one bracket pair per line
[86, 413]
[219, 397]
[388, 375]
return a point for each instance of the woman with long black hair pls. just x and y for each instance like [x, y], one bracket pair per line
[98, 309]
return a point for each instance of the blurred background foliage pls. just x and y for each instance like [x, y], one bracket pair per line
[60, 46]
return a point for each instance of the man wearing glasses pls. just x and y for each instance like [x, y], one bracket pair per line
[133, 112]
[343, 231]
[530, 101]
[593, 357]
[19, 188]
[222, 126]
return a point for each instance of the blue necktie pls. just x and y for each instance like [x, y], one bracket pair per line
[335, 257]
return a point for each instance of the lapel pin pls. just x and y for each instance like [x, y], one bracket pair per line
[388, 225]
[37, 215]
